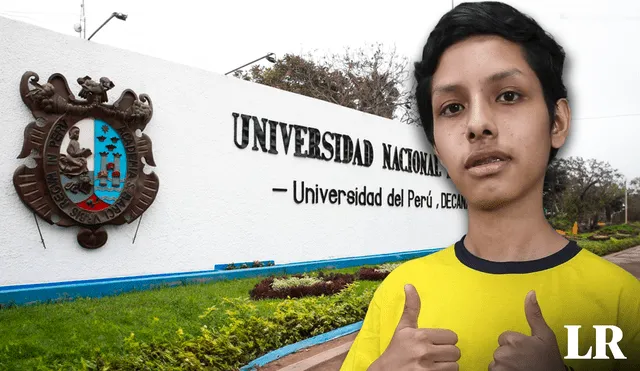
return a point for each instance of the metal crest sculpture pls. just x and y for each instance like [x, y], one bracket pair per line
[88, 155]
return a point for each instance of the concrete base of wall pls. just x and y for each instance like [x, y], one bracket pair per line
[60, 291]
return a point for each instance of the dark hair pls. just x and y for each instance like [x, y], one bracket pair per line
[543, 54]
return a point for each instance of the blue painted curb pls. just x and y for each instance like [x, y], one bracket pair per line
[43, 292]
[316, 340]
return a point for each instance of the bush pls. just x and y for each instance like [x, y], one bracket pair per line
[561, 223]
[608, 247]
[287, 283]
[378, 273]
[371, 274]
[298, 286]
[245, 337]
[387, 267]
[619, 229]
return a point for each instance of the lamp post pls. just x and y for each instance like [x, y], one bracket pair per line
[120, 16]
[626, 205]
[271, 57]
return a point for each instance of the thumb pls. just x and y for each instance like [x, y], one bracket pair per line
[411, 310]
[532, 311]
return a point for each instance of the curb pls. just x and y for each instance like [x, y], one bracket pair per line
[319, 359]
[316, 340]
[96, 288]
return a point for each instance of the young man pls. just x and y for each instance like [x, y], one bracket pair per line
[494, 107]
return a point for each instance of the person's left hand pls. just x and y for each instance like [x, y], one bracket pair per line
[538, 352]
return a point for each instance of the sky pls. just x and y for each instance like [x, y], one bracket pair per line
[218, 36]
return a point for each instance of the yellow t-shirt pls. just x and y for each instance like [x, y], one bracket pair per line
[479, 299]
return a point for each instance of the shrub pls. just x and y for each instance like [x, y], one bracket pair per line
[246, 336]
[371, 274]
[619, 229]
[378, 273]
[607, 247]
[286, 283]
[298, 286]
[561, 223]
[387, 267]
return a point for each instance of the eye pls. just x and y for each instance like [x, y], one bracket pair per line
[451, 109]
[509, 96]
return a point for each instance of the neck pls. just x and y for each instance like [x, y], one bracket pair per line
[516, 232]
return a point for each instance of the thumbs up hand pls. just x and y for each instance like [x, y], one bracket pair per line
[412, 348]
[538, 352]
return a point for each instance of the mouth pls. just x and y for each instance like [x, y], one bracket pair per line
[486, 158]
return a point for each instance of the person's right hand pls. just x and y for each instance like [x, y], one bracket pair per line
[413, 348]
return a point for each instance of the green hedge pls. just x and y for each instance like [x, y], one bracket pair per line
[621, 228]
[245, 336]
[560, 223]
[608, 247]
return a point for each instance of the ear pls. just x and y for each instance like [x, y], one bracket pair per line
[561, 123]
[437, 153]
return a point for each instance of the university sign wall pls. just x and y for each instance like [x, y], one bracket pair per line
[89, 169]
[259, 174]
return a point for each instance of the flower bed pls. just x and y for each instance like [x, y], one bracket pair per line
[298, 286]
[244, 265]
[377, 273]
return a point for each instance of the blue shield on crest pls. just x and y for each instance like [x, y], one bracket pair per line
[93, 164]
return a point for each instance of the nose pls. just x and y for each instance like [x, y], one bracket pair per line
[481, 124]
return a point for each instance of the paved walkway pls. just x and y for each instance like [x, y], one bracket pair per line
[628, 259]
[332, 355]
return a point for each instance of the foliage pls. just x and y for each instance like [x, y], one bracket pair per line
[254, 264]
[289, 282]
[57, 336]
[298, 286]
[619, 229]
[246, 335]
[377, 273]
[369, 79]
[561, 223]
[586, 191]
[371, 274]
[634, 200]
[610, 246]
[387, 267]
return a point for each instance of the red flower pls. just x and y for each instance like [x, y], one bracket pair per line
[103, 174]
[110, 166]
[116, 174]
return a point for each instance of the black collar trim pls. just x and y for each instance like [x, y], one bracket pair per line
[467, 258]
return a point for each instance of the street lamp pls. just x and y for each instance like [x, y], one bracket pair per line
[271, 57]
[626, 205]
[120, 16]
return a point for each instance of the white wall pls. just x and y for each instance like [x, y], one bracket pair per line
[215, 203]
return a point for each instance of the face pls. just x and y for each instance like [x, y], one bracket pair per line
[74, 134]
[491, 125]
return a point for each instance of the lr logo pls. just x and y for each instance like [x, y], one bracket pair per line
[601, 343]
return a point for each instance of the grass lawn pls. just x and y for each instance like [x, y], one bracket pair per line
[60, 334]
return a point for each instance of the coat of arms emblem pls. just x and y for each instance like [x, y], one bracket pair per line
[88, 154]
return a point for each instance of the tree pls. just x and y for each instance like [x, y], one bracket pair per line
[633, 200]
[556, 181]
[595, 190]
[368, 79]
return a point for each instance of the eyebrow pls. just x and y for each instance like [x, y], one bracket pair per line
[493, 78]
